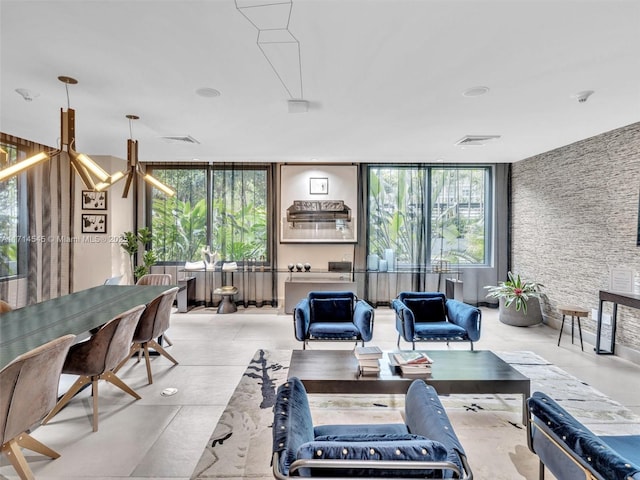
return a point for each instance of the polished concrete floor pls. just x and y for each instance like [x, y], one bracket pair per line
[162, 437]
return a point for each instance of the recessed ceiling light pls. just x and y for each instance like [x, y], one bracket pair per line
[476, 140]
[208, 92]
[475, 91]
[28, 95]
[582, 96]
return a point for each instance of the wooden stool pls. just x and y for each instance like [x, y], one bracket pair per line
[575, 312]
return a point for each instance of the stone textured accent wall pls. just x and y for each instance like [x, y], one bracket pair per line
[574, 217]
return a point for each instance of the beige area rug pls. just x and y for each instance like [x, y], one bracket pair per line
[489, 426]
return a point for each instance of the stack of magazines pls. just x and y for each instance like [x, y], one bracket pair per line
[368, 359]
[412, 363]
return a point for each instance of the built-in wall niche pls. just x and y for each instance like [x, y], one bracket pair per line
[318, 204]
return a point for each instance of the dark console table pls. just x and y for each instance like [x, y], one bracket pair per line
[617, 298]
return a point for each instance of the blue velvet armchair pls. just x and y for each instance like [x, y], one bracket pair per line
[425, 447]
[333, 316]
[570, 450]
[431, 317]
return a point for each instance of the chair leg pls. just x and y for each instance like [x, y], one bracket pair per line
[27, 441]
[134, 348]
[166, 339]
[541, 471]
[413, 345]
[13, 452]
[75, 388]
[471, 346]
[114, 380]
[94, 392]
[147, 361]
[398, 342]
[158, 348]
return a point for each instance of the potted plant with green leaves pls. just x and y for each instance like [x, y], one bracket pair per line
[131, 243]
[518, 301]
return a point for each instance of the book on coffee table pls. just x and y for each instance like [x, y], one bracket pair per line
[371, 352]
[411, 363]
[368, 359]
[412, 358]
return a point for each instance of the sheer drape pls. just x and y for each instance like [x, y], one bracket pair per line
[426, 224]
[49, 239]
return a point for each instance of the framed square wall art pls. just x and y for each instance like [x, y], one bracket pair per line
[94, 200]
[310, 213]
[318, 186]
[94, 223]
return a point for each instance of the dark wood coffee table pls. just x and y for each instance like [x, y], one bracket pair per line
[452, 372]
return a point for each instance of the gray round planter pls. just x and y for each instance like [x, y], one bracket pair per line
[511, 316]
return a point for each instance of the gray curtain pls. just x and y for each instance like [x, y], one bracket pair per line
[49, 236]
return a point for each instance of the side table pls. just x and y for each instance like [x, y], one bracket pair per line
[227, 304]
[575, 312]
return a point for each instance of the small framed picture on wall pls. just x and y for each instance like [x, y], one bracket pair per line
[318, 185]
[94, 200]
[94, 223]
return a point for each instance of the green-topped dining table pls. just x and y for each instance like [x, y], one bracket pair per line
[28, 327]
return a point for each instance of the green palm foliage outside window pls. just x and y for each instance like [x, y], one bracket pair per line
[429, 215]
[9, 213]
[224, 207]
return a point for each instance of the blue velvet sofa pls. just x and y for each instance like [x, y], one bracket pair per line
[425, 447]
[334, 316]
[431, 317]
[571, 451]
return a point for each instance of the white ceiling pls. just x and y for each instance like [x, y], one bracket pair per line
[384, 78]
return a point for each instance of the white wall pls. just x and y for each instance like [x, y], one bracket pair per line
[98, 256]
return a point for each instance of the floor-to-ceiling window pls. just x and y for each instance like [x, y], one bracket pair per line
[13, 231]
[227, 208]
[429, 216]
[224, 207]
[179, 223]
[425, 224]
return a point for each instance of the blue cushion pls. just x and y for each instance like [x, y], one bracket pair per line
[424, 450]
[627, 446]
[327, 330]
[427, 309]
[331, 310]
[439, 330]
[361, 429]
[369, 437]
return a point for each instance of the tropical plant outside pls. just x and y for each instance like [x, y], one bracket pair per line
[427, 213]
[237, 212]
[9, 217]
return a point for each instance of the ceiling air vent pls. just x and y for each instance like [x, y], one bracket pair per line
[180, 139]
[476, 140]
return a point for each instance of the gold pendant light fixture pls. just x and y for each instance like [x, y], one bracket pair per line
[84, 166]
[134, 168]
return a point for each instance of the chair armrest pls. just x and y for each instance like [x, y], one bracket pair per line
[363, 319]
[425, 415]
[405, 320]
[561, 431]
[465, 316]
[302, 319]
